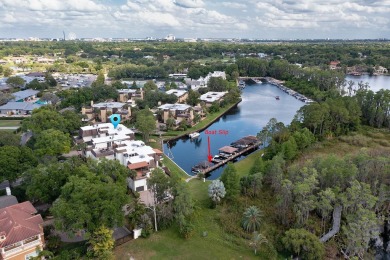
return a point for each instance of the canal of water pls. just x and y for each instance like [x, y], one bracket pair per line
[258, 106]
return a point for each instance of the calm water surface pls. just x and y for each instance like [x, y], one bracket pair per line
[376, 82]
[258, 106]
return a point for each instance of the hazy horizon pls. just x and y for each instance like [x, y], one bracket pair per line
[267, 19]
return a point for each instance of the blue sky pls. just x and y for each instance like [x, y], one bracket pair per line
[265, 19]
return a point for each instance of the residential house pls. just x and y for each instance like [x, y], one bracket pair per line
[195, 84]
[178, 112]
[21, 232]
[130, 96]
[215, 74]
[18, 108]
[105, 141]
[334, 65]
[101, 112]
[139, 158]
[27, 95]
[211, 97]
[181, 95]
[88, 133]
[379, 70]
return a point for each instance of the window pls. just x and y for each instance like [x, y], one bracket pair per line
[31, 255]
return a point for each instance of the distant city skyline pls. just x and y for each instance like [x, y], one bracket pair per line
[266, 19]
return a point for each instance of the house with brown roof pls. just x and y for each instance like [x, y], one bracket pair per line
[21, 232]
[334, 64]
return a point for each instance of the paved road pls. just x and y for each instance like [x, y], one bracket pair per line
[25, 137]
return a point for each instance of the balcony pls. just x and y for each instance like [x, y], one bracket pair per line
[11, 251]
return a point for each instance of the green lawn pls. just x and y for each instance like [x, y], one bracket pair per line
[167, 244]
[6, 123]
[217, 244]
[174, 169]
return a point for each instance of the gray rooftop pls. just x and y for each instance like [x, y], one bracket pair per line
[6, 201]
[180, 107]
[26, 106]
[109, 105]
[24, 94]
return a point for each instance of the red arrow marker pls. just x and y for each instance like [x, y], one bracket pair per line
[209, 156]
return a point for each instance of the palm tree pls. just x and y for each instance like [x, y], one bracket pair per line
[251, 219]
[257, 240]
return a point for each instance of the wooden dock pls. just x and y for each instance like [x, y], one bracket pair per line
[238, 154]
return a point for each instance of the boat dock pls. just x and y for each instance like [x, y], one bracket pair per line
[244, 145]
[279, 84]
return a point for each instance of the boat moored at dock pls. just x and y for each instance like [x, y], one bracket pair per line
[226, 154]
[194, 135]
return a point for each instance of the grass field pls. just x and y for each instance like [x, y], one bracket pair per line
[217, 244]
[167, 244]
[6, 123]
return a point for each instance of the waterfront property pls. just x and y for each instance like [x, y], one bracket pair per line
[21, 232]
[210, 97]
[105, 141]
[177, 112]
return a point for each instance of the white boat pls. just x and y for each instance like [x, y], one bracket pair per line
[194, 135]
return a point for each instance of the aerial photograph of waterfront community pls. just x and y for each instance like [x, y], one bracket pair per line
[194, 129]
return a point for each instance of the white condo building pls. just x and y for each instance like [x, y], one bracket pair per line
[105, 141]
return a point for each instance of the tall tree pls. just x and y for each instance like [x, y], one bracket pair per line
[231, 181]
[183, 206]
[257, 240]
[52, 142]
[150, 85]
[216, 191]
[101, 244]
[94, 197]
[361, 227]
[193, 98]
[145, 122]
[302, 243]
[251, 219]
[160, 184]
[16, 82]
[14, 161]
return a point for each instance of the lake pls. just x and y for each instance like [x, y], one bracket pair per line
[376, 82]
[258, 106]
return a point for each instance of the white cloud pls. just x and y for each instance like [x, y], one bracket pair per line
[201, 18]
[189, 3]
[234, 5]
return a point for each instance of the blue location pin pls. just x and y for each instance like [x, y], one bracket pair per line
[115, 119]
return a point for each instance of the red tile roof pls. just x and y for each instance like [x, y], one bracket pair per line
[18, 222]
[158, 152]
[134, 166]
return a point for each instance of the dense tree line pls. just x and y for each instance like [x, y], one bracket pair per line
[83, 96]
[134, 71]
